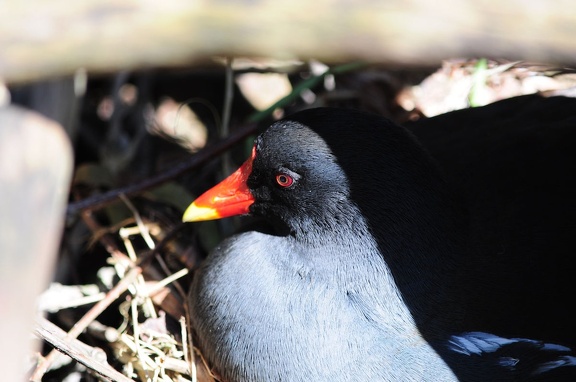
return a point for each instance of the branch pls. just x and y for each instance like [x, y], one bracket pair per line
[42, 39]
[99, 201]
[79, 351]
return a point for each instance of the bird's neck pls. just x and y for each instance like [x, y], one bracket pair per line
[349, 255]
[354, 263]
[413, 264]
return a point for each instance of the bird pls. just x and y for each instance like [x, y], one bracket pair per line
[371, 264]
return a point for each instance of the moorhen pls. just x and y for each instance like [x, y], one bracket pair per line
[370, 267]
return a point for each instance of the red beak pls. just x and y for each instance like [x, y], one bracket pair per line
[228, 198]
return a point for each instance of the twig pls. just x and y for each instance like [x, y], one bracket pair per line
[90, 316]
[164, 282]
[143, 229]
[106, 240]
[102, 200]
[84, 354]
[228, 98]
[226, 111]
[190, 364]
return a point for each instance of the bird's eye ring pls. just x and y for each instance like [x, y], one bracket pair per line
[284, 180]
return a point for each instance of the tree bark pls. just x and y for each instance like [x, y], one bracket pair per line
[41, 39]
[35, 171]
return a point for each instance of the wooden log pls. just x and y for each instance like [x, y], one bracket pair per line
[40, 39]
[35, 172]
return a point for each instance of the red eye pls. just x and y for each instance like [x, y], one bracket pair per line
[284, 180]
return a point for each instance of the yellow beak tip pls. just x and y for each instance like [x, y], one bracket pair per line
[195, 213]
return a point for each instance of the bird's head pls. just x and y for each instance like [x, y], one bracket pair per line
[313, 170]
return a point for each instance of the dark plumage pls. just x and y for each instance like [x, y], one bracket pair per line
[486, 357]
[373, 271]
